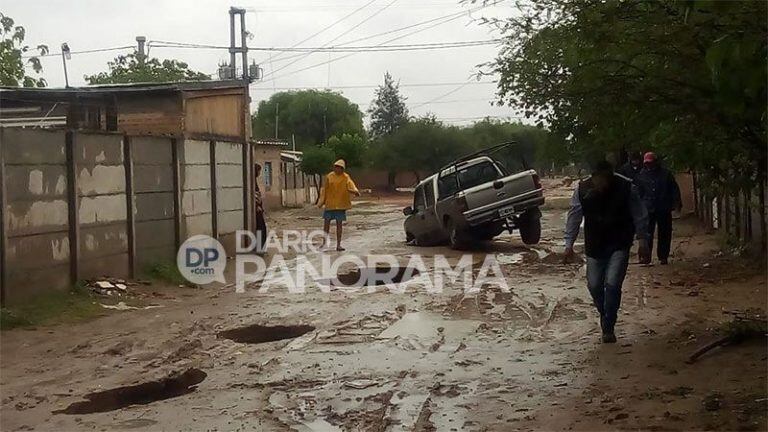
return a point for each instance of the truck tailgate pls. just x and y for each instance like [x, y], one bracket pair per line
[484, 197]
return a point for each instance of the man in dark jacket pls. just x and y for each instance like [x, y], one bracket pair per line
[660, 194]
[633, 167]
[613, 214]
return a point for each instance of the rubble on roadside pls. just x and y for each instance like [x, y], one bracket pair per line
[112, 287]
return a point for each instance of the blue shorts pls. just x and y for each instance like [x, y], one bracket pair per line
[339, 215]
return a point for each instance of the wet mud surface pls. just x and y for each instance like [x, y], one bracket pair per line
[410, 360]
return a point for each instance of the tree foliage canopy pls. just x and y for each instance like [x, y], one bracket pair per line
[130, 68]
[312, 115]
[388, 111]
[426, 145]
[351, 148]
[13, 53]
[686, 78]
[317, 160]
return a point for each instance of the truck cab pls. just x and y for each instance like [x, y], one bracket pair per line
[472, 199]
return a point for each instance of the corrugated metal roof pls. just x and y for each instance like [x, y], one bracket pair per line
[121, 88]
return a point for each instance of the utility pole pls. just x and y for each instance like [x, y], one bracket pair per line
[277, 117]
[325, 126]
[233, 48]
[65, 55]
[140, 55]
[244, 44]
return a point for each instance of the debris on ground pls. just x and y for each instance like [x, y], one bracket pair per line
[109, 286]
[361, 384]
[740, 329]
[123, 306]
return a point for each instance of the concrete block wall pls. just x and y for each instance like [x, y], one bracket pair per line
[36, 212]
[229, 192]
[153, 200]
[102, 207]
[195, 183]
[69, 214]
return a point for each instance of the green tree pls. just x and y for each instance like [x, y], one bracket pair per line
[537, 145]
[312, 116]
[388, 111]
[420, 145]
[12, 53]
[686, 78]
[131, 68]
[317, 161]
[351, 148]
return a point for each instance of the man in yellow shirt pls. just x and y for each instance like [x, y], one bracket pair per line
[335, 197]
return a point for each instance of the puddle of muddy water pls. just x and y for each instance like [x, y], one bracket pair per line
[428, 325]
[256, 333]
[371, 276]
[140, 394]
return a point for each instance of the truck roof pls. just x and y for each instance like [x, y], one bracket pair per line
[452, 168]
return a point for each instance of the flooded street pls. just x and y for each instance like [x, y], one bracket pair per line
[376, 360]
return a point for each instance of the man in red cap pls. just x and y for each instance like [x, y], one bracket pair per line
[660, 194]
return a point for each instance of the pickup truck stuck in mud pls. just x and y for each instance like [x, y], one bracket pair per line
[475, 198]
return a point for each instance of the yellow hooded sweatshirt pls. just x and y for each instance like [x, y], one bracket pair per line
[335, 193]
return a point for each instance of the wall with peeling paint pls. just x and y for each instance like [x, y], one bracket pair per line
[36, 212]
[39, 171]
[195, 180]
[229, 192]
[153, 200]
[103, 208]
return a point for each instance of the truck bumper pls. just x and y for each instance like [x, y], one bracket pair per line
[494, 214]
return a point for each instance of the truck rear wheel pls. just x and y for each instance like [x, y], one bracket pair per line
[456, 237]
[529, 225]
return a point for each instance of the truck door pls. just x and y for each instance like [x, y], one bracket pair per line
[419, 226]
[431, 221]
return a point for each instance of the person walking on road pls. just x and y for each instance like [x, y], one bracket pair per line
[633, 167]
[335, 196]
[613, 214]
[661, 194]
[258, 213]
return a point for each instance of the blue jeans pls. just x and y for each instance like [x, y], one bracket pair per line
[604, 279]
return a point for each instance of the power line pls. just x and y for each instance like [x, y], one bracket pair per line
[452, 17]
[461, 86]
[81, 52]
[413, 104]
[368, 18]
[418, 24]
[332, 24]
[360, 48]
[331, 7]
[397, 30]
[364, 86]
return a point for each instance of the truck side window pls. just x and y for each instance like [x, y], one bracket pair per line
[447, 186]
[418, 199]
[429, 194]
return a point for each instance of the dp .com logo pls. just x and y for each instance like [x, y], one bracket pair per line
[202, 259]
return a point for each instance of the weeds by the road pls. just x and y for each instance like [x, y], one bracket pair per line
[52, 308]
[165, 272]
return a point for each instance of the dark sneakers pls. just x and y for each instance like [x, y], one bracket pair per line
[608, 335]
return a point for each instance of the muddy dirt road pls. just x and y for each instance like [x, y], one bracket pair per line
[529, 359]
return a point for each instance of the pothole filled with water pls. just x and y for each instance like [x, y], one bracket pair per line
[371, 276]
[256, 333]
[174, 385]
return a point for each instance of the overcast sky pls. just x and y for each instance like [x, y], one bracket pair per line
[94, 24]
